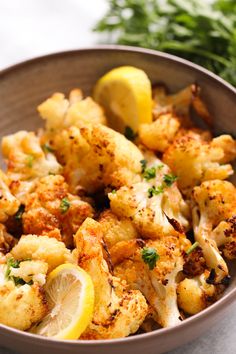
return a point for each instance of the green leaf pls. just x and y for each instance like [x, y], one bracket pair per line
[169, 179]
[65, 205]
[150, 257]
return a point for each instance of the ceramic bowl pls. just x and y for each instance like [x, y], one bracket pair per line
[25, 85]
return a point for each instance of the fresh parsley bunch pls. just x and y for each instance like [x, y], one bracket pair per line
[201, 31]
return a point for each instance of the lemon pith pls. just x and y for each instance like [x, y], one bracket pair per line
[70, 295]
[126, 96]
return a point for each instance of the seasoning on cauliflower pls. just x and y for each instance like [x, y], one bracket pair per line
[153, 267]
[195, 294]
[152, 203]
[26, 161]
[118, 312]
[8, 203]
[22, 306]
[60, 112]
[50, 210]
[96, 156]
[160, 134]
[42, 248]
[7, 241]
[214, 217]
[194, 160]
[116, 229]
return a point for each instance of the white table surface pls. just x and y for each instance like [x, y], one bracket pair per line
[30, 28]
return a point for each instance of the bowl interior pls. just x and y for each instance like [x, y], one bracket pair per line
[26, 85]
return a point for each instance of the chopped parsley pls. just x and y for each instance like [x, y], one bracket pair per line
[113, 191]
[159, 167]
[155, 190]
[129, 133]
[143, 164]
[13, 263]
[150, 257]
[47, 148]
[19, 213]
[169, 179]
[149, 173]
[192, 248]
[29, 161]
[65, 205]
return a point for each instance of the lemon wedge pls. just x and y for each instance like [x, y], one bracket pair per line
[70, 295]
[125, 94]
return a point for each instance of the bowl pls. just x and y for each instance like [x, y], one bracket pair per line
[25, 85]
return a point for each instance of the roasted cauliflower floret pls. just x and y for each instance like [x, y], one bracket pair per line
[30, 271]
[152, 203]
[50, 210]
[160, 134]
[157, 281]
[26, 161]
[194, 161]
[8, 203]
[228, 145]
[60, 112]
[180, 104]
[42, 248]
[7, 241]
[118, 312]
[116, 229]
[214, 217]
[195, 294]
[96, 156]
[22, 306]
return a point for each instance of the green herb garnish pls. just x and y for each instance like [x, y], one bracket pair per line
[150, 257]
[11, 263]
[143, 164]
[159, 167]
[29, 161]
[113, 191]
[65, 205]
[169, 179]
[192, 248]
[129, 133]
[149, 173]
[19, 213]
[200, 31]
[47, 148]
[155, 190]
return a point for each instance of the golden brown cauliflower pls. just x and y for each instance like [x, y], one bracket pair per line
[97, 156]
[26, 161]
[8, 203]
[195, 160]
[116, 229]
[214, 220]
[50, 210]
[22, 306]
[195, 294]
[153, 203]
[160, 134]
[157, 280]
[42, 248]
[60, 112]
[180, 104]
[7, 241]
[118, 312]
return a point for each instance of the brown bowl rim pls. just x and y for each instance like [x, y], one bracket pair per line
[224, 301]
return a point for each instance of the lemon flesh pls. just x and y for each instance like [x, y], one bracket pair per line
[70, 296]
[125, 94]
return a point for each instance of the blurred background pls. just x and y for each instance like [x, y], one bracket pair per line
[30, 28]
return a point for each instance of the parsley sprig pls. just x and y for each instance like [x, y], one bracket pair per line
[197, 30]
[64, 206]
[150, 257]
